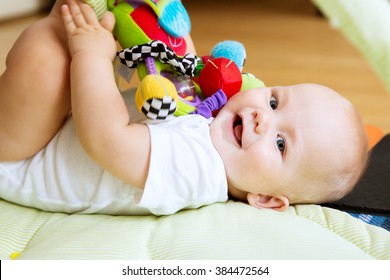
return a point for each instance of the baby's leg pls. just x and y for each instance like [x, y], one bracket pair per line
[34, 89]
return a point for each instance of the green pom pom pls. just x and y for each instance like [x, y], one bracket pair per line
[249, 81]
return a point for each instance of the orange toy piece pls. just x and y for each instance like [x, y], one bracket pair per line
[375, 134]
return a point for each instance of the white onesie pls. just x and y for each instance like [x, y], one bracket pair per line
[185, 172]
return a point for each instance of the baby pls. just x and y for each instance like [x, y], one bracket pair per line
[67, 144]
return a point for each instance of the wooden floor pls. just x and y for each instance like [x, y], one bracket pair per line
[286, 42]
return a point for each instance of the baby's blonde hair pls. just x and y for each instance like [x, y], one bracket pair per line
[323, 184]
[340, 182]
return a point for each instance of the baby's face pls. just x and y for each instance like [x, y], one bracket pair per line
[271, 137]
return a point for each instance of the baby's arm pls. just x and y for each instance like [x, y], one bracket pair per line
[99, 112]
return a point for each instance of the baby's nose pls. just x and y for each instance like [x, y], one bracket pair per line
[263, 121]
[258, 118]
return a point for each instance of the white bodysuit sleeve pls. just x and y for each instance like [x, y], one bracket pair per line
[185, 169]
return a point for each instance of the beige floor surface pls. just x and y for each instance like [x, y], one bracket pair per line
[286, 42]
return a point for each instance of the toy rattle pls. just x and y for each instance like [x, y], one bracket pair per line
[173, 83]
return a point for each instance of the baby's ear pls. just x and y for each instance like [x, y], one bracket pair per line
[278, 203]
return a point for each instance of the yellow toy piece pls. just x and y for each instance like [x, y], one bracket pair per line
[14, 255]
[156, 97]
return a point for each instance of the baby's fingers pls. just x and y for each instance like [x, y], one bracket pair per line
[89, 15]
[70, 26]
[77, 15]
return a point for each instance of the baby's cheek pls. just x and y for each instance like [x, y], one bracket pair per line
[259, 161]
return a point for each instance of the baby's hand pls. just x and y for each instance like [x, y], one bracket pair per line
[85, 32]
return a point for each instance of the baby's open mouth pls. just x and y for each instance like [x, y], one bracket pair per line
[237, 129]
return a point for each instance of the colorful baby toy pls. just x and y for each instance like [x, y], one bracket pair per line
[172, 82]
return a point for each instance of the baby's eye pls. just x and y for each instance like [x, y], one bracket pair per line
[281, 144]
[273, 102]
